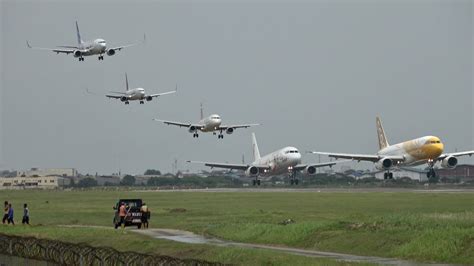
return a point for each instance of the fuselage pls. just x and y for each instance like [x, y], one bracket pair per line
[135, 94]
[210, 123]
[95, 47]
[279, 162]
[417, 151]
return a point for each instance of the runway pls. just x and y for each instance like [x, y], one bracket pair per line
[317, 190]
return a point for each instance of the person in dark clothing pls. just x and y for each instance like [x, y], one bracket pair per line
[5, 213]
[10, 214]
[26, 215]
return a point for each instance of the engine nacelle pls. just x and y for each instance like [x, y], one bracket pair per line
[309, 170]
[149, 98]
[192, 129]
[449, 162]
[229, 130]
[252, 171]
[384, 164]
[123, 99]
[77, 53]
[110, 52]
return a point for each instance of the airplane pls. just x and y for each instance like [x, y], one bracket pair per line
[424, 150]
[211, 123]
[88, 48]
[285, 160]
[137, 94]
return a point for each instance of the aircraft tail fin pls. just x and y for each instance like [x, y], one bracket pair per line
[79, 39]
[202, 113]
[383, 143]
[126, 82]
[256, 152]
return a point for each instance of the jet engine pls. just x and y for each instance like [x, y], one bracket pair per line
[110, 52]
[192, 129]
[123, 99]
[309, 170]
[77, 53]
[384, 164]
[149, 98]
[229, 130]
[449, 162]
[252, 171]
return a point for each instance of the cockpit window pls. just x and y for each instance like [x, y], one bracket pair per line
[433, 142]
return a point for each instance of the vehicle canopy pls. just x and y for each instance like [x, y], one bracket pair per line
[130, 203]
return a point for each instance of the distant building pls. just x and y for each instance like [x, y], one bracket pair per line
[38, 172]
[108, 180]
[465, 172]
[411, 173]
[46, 182]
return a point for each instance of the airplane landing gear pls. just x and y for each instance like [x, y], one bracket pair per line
[142, 102]
[195, 135]
[127, 102]
[292, 177]
[388, 175]
[431, 172]
[81, 58]
[220, 136]
[256, 182]
[101, 57]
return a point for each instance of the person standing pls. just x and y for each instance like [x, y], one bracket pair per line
[5, 213]
[145, 215]
[122, 214]
[10, 214]
[26, 215]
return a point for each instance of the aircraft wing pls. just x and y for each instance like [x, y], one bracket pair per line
[179, 124]
[118, 48]
[56, 50]
[230, 165]
[160, 94]
[455, 154]
[300, 167]
[237, 126]
[113, 96]
[360, 157]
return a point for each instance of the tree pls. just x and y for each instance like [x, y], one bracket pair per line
[87, 182]
[152, 172]
[128, 180]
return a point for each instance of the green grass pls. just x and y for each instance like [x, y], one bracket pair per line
[424, 227]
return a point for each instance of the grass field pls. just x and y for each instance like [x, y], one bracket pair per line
[424, 227]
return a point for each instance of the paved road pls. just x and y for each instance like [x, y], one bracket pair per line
[191, 238]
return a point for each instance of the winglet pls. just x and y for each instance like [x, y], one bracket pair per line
[126, 81]
[28, 44]
[176, 88]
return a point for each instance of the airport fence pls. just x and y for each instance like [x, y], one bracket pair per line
[63, 253]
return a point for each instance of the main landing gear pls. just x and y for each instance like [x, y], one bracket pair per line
[142, 102]
[81, 58]
[388, 175]
[195, 135]
[127, 102]
[256, 182]
[101, 57]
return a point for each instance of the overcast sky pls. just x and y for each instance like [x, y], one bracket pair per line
[315, 74]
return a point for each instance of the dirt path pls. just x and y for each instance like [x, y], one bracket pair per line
[191, 238]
